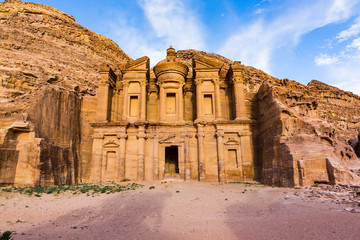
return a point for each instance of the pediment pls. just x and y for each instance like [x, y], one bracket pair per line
[111, 144]
[142, 63]
[204, 62]
[232, 141]
[172, 139]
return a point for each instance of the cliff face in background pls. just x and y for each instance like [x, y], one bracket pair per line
[303, 133]
[41, 46]
[48, 63]
[48, 81]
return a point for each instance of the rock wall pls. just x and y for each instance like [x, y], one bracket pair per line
[41, 46]
[48, 63]
[56, 118]
[301, 139]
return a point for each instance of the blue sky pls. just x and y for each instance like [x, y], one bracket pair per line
[296, 39]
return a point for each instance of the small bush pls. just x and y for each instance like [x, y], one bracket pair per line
[125, 180]
[74, 189]
[152, 187]
[6, 235]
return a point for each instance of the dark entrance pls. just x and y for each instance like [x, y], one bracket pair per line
[171, 159]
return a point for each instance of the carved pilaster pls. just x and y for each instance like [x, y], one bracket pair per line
[187, 175]
[237, 82]
[201, 152]
[217, 98]
[125, 99]
[141, 136]
[199, 104]
[143, 85]
[220, 152]
[155, 154]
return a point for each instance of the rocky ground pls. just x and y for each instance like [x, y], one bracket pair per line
[177, 210]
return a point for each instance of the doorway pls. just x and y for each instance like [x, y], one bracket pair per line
[171, 159]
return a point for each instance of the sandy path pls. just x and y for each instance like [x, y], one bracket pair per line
[197, 211]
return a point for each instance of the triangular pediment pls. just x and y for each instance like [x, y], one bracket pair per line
[204, 62]
[142, 63]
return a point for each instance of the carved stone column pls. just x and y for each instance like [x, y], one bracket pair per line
[155, 154]
[141, 166]
[217, 99]
[162, 104]
[201, 151]
[181, 101]
[107, 83]
[142, 100]
[187, 174]
[97, 158]
[198, 83]
[122, 161]
[125, 100]
[220, 153]
[239, 97]
[103, 102]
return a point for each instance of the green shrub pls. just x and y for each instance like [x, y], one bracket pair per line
[74, 189]
[6, 235]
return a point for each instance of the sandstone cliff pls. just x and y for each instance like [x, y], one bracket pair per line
[48, 82]
[41, 46]
[303, 133]
[48, 63]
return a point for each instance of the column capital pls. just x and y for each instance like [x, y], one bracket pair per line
[122, 135]
[98, 135]
[200, 123]
[237, 80]
[143, 83]
[125, 83]
[216, 81]
[186, 135]
[199, 135]
[160, 84]
[219, 133]
[198, 81]
[153, 135]
[141, 135]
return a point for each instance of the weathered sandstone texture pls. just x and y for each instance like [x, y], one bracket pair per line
[75, 108]
[48, 63]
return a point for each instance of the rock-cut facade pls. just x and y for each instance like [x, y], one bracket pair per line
[172, 122]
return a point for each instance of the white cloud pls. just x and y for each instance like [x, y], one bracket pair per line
[256, 43]
[259, 11]
[167, 23]
[353, 31]
[355, 44]
[324, 59]
[347, 76]
[174, 23]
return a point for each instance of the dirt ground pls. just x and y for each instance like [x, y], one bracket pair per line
[178, 210]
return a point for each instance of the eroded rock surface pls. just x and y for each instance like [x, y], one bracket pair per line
[48, 63]
[303, 132]
[49, 79]
[41, 46]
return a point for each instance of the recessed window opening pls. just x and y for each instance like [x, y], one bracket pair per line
[208, 104]
[232, 156]
[134, 106]
[170, 103]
